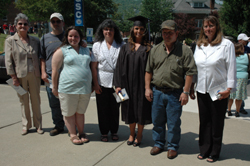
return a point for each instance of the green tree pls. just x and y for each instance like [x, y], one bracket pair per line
[186, 25]
[4, 7]
[121, 19]
[234, 17]
[95, 11]
[157, 11]
[37, 10]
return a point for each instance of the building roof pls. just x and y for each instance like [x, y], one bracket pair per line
[182, 6]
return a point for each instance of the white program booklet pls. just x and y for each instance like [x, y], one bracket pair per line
[214, 91]
[50, 85]
[122, 96]
[18, 89]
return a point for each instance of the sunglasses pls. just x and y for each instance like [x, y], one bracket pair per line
[25, 24]
[57, 21]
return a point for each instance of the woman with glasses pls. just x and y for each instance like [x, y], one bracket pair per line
[129, 74]
[215, 60]
[105, 53]
[22, 64]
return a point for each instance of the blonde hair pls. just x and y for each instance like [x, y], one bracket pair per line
[218, 35]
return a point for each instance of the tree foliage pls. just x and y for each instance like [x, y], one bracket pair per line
[4, 7]
[95, 11]
[186, 25]
[157, 11]
[234, 17]
[122, 21]
[125, 5]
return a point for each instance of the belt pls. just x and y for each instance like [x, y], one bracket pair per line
[165, 89]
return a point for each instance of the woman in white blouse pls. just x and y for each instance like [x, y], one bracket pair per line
[105, 53]
[216, 65]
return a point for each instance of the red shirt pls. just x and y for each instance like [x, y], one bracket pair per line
[5, 26]
[12, 29]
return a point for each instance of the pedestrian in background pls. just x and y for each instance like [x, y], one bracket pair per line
[106, 49]
[243, 38]
[215, 59]
[12, 29]
[35, 28]
[22, 64]
[5, 28]
[242, 67]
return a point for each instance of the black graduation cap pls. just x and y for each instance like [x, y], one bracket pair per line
[139, 20]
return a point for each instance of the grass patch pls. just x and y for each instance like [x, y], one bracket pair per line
[2, 39]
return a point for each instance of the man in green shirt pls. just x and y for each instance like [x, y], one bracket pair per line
[168, 63]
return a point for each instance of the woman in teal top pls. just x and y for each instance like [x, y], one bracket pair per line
[242, 63]
[74, 87]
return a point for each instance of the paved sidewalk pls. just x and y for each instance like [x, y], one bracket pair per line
[39, 150]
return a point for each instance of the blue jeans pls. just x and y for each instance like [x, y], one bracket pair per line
[166, 108]
[54, 104]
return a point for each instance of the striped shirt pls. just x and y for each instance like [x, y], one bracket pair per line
[75, 77]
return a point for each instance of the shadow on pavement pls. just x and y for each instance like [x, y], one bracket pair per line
[235, 151]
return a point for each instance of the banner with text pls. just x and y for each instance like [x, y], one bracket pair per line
[78, 13]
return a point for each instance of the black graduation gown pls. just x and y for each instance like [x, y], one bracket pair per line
[130, 74]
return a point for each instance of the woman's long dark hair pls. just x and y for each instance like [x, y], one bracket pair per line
[108, 23]
[144, 42]
[66, 33]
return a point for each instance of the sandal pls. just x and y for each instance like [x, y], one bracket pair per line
[201, 156]
[212, 159]
[137, 143]
[83, 136]
[39, 131]
[114, 137]
[24, 132]
[104, 138]
[75, 138]
[131, 142]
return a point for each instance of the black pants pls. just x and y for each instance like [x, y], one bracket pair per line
[108, 111]
[212, 115]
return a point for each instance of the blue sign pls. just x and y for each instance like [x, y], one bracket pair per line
[90, 32]
[78, 13]
[89, 39]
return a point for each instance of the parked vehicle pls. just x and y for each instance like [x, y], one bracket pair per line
[3, 73]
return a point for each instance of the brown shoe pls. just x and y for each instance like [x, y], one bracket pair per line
[172, 154]
[155, 150]
[55, 131]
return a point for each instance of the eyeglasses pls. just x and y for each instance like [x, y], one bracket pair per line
[25, 24]
[57, 21]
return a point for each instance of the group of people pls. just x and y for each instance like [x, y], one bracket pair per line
[158, 80]
[8, 29]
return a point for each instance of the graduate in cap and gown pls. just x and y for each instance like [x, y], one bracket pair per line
[129, 74]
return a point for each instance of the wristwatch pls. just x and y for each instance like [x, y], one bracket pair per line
[186, 93]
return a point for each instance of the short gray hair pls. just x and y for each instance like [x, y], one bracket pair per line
[19, 17]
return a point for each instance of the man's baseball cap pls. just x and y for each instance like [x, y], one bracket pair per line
[169, 24]
[242, 36]
[57, 15]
